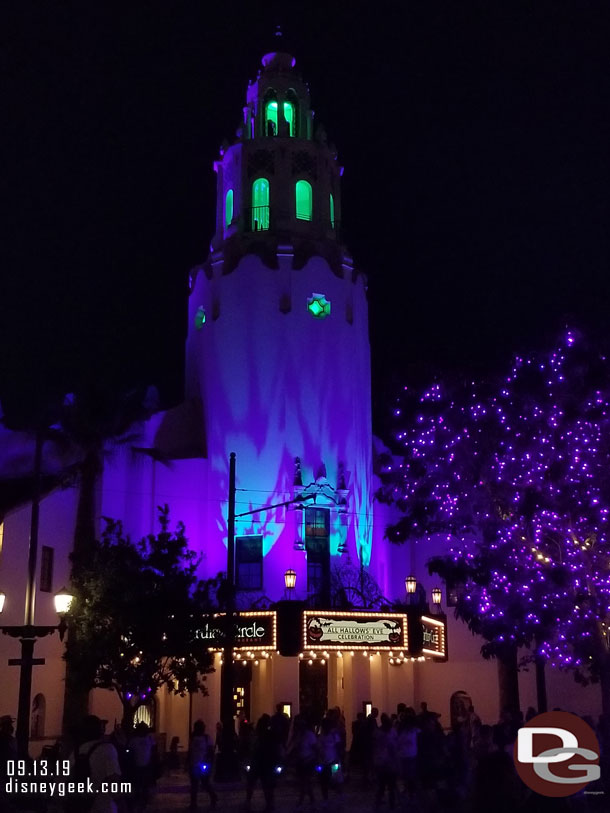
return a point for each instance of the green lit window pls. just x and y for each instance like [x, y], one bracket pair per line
[200, 317]
[271, 118]
[304, 200]
[332, 211]
[249, 562]
[229, 208]
[289, 116]
[260, 204]
[319, 306]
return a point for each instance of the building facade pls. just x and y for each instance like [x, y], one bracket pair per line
[277, 372]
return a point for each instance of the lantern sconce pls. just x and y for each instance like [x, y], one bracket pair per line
[290, 580]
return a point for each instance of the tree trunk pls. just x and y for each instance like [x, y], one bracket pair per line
[76, 693]
[541, 697]
[604, 681]
[129, 713]
[508, 681]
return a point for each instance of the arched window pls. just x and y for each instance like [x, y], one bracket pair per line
[271, 118]
[332, 211]
[289, 116]
[229, 208]
[291, 112]
[304, 200]
[147, 713]
[39, 709]
[260, 204]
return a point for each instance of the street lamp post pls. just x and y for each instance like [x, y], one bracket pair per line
[228, 767]
[28, 634]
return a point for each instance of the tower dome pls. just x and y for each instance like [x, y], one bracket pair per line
[279, 180]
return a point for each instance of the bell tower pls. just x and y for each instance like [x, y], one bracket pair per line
[279, 181]
[277, 347]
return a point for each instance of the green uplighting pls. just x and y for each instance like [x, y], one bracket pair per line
[319, 306]
[332, 211]
[260, 204]
[289, 116]
[229, 208]
[304, 200]
[271, 116]
[200, 317]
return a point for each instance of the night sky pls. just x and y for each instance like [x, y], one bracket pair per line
[475, 139]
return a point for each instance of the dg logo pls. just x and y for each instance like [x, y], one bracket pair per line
[557, 754]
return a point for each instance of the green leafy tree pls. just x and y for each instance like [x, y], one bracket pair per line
[93, 421]
[137, 611]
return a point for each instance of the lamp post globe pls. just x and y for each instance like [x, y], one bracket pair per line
[63, 601]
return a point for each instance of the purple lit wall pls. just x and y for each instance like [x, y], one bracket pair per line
[277, 386]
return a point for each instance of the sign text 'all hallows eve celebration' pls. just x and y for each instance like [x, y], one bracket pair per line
[380, 631]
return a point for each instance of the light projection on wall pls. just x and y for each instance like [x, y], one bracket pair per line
[200, 317]
[304, 200]
[332, 212]
[319, 306]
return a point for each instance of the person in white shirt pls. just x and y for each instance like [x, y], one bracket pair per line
[103, 762]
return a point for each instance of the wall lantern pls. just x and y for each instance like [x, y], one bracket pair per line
[290, 579]
[411, 585]
[437, 595]
[63, 601]
[2, 600]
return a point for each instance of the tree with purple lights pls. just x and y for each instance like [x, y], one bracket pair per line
[516, 474]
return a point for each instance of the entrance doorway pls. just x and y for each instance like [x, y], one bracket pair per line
[242, 683]
[313, 689]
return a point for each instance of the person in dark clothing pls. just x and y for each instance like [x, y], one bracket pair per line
[356, 753]
[8, 751]
[385, 760]
[280, 727]
[263, 763]
[200, 759]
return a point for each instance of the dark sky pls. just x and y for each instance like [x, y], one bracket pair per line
[475, 139]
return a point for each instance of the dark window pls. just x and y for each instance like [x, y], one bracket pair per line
[46, 569]
[317, 545]
[249, 562]
[317, 522]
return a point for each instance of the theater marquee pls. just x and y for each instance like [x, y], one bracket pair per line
[434, 637]
[354, 630]
[252, 630]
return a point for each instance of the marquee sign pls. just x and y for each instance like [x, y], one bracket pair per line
[434, 637]
[354, 630]
[253, 631]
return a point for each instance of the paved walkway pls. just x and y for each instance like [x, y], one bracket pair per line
[173, 794]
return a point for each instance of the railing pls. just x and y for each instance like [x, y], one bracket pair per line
[257, 218]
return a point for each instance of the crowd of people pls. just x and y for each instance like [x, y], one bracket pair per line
[403, 760]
